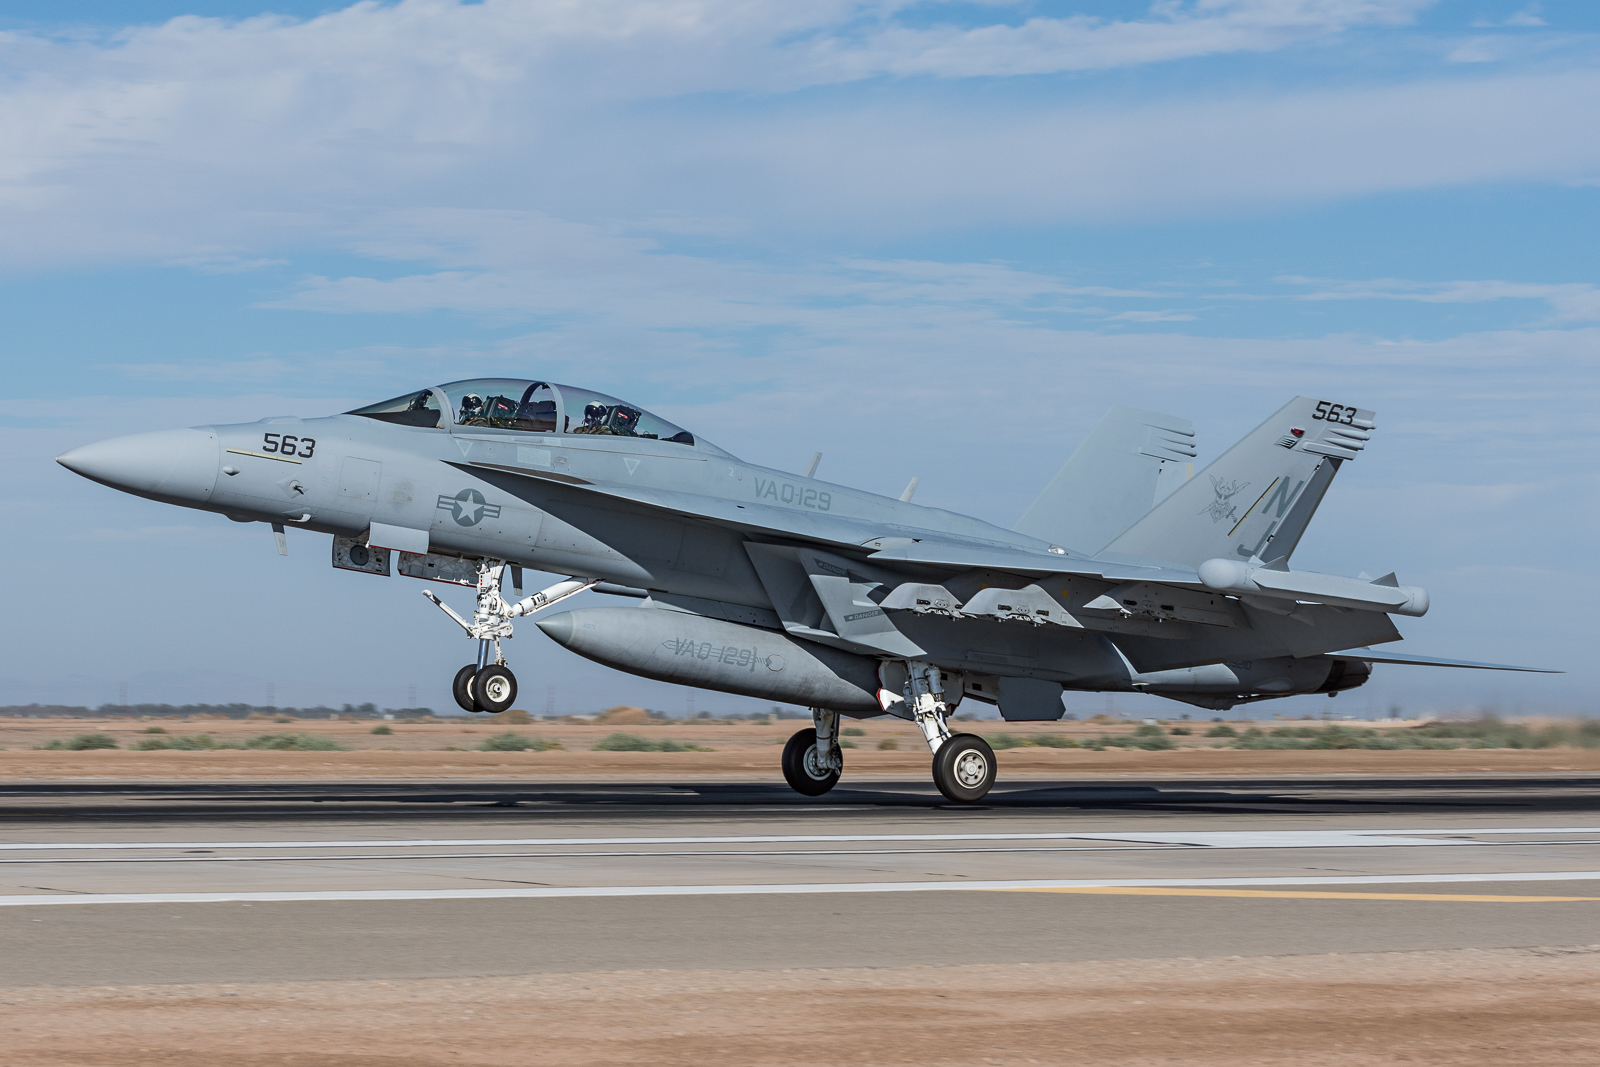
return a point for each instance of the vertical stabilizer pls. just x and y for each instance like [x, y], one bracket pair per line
[1256, 500]
[1131, 460]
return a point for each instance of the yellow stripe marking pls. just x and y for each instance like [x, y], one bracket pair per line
[262, 455]
[1294, 894]
[1253, 507]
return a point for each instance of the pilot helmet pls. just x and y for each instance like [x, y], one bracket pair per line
[594, 413]
[471, 404]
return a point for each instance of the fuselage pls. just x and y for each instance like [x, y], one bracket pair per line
[501, 493]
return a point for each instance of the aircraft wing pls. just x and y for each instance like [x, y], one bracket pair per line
[945, 549]
[805, 550]
[938, 551]
[1368, 656]
[887, 543]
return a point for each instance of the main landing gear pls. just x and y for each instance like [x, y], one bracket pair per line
[812, 760]
[489, 685]
[963, 764]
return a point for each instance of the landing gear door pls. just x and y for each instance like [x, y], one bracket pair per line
[1030, 700]
[353, 554]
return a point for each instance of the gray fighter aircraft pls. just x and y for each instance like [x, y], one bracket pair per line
[1128, 574]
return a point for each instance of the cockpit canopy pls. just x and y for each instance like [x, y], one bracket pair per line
[532, 407]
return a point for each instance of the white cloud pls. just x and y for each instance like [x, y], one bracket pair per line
[1527, 17]
[1153, 316]
[1175, 30]
[229, 144]
[1569, 301]
[1477, 50]
[234, 370]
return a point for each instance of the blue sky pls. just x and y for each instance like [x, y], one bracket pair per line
[924, 238]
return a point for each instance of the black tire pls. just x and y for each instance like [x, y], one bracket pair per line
[964, 768]
[800, 768]
[495, 688]
[462, 687]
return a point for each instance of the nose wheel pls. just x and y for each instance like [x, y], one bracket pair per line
[495, 688]
[489, 685]
[462, 687]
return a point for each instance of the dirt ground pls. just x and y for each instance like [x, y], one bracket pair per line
[444, 750]
[1477, 1007]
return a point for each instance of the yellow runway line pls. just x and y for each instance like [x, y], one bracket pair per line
[1291, 894]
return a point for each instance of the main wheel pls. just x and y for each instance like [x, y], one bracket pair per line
[462, 687]
[963, 768]
[495, 688]
[803, 767]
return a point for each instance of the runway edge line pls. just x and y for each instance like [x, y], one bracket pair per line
[552, 892]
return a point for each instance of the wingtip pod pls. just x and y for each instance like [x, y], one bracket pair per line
[1227, 575]
[1385, 594]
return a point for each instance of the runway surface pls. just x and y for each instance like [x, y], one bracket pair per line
[187, 882]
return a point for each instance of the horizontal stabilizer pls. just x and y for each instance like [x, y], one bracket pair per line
[1368, 656]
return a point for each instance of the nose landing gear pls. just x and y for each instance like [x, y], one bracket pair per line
[489, 685]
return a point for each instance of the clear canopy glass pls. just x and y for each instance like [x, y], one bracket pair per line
[528, 406]
[588, 412]
[413, 409]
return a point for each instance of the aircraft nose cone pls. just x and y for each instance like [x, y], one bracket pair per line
[559, 627]
[179, 466]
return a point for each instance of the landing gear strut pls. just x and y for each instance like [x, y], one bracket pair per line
[963, 764]
[812, 760]
[489, 685]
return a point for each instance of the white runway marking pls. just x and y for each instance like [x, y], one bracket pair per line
[553, 892]
[1200, 838]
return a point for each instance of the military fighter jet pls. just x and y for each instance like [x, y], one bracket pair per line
[1128, 574]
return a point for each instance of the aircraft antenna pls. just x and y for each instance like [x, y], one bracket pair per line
[811, 468]
[911, 488]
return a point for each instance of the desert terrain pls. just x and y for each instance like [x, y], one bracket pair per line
[450, 748]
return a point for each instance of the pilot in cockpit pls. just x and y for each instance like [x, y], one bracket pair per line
[471, 408]
[594, 419]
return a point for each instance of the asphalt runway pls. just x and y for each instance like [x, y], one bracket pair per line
[112, 883]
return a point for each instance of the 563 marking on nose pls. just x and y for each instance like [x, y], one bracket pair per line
[288, 445]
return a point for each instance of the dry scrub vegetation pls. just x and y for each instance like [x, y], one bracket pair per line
[517, 744]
